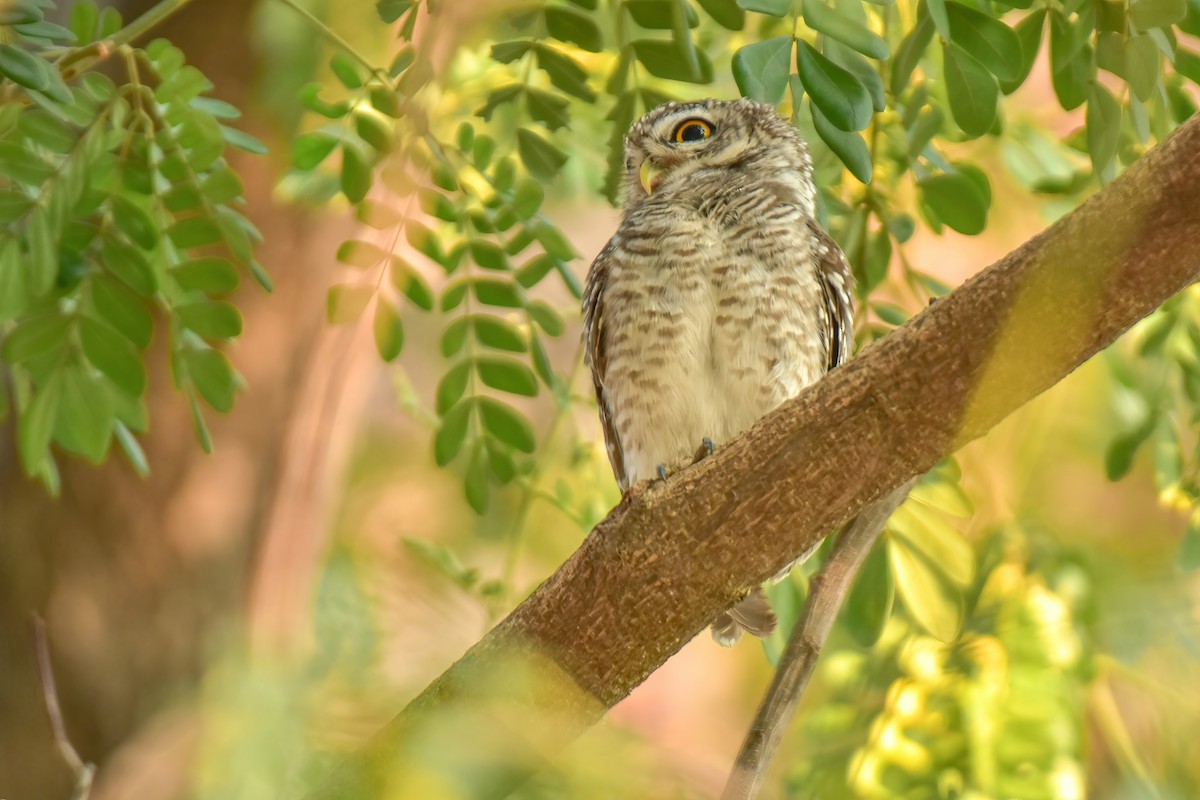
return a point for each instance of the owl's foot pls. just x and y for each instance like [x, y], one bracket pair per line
[706, 449]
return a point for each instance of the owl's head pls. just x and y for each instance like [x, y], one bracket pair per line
[691, 147]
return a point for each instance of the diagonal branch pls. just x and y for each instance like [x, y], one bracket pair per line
[829, 588]
[671, 557]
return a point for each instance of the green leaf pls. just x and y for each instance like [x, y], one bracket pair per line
[130, 265]
[84, 16]
[448, 440]
[569, 25]
[388, 329]
[346, 70]
[391, 10]
[24, 68]
[35, 425]
[546, 318]
[83, 424]
[852, 33]
[957, 201]
[133, 451]
[658, 14]
[1118, 459]
[47, 130]
[925, 531]
[841, 97]
[665, 59]
[202, 434]
[564, 72]
[373, 129]
[357, 253]
[506, 424]
[1147, 14]
[498, 333]
[345, 302]
[972, 92]
[726, 13]
[936, 9]
[310, 98]
[443, 560]
[930, 600]
[356, 173]
[776, 8]
[909, 53]
[761, 69]
[197, 231]
[548, 109]
[35, 337]
[310, 149]
[989, 41]
[500, 460]
[212, 319]
[862, 69]
[507, 375]
[1142, 65]
[212, 376]
[208, 275]
[543, 159]
[453, 385]
[16, 12]
[122, 310]
[848, 147]
[1029, 32]
[527, 198]
[1070, 62]
[135, 222]
[243, 140]
[112, 354]
[412, 284]
[1103, 126]
[493, 292]
[870, 602]
[488, 255]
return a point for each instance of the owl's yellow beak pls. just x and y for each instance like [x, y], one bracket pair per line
[649, 174]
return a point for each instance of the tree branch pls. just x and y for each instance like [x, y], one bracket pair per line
[83, 771]
[829, 589]
[671, 557]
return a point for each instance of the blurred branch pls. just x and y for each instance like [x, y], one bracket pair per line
[84, 771]
[84, 58]
[672, 556]
[829, 588]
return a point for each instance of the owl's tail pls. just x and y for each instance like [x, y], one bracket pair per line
[753, 615]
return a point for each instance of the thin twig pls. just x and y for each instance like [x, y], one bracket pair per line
[829, 588]
[84, 771]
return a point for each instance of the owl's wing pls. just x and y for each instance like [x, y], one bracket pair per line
[837, 284]
[596, 357]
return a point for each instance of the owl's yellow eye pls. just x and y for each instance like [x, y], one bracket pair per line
[692, 130]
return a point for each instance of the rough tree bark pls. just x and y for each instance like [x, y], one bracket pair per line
[671, 556]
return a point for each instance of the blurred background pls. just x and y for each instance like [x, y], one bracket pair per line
[229, 625]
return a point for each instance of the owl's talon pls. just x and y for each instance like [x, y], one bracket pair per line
[662, 472]
[706, 449]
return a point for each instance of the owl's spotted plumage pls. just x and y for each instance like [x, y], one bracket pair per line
[719, 296]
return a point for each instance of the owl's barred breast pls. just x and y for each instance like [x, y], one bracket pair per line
[712, 316]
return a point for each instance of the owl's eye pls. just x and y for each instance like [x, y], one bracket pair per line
[692, 130]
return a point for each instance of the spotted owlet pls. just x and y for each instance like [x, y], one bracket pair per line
[718, 298]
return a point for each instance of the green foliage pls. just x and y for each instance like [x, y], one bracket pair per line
[109, 189]
[994, 712]
[120, 215]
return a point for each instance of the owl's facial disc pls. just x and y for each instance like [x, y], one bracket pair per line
[683, 136]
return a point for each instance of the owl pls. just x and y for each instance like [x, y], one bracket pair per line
[718, 298]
